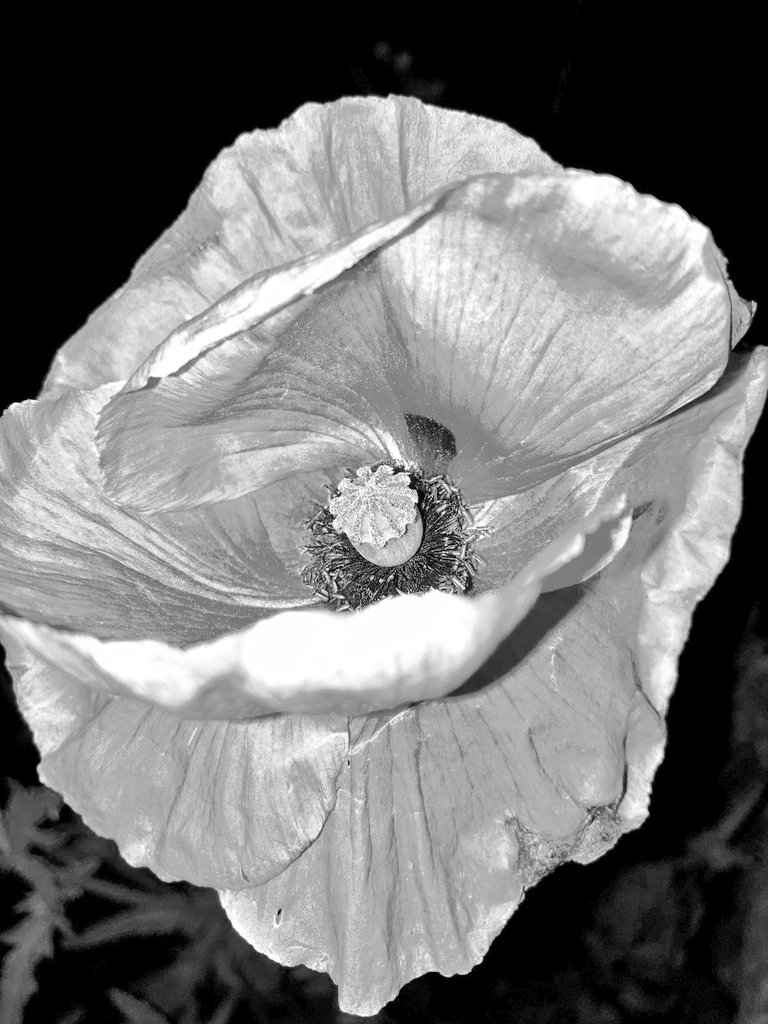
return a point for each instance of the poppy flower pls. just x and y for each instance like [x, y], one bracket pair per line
[349, 549]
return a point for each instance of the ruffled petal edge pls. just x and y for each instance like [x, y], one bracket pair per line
[402, 650]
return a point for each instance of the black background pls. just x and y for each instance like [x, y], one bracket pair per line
[111, 125]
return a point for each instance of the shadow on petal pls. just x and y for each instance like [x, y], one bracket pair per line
[517, 647]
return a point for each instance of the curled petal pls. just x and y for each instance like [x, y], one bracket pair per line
[600, 549]
[72, 558]
[684, 480]
[401, 650]
[288, 415]
[215, 803]
[448, 811]
[254, 412]
[266, 294]
[689, 535]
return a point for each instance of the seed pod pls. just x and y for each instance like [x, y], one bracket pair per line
[398, 549]
[374, 507]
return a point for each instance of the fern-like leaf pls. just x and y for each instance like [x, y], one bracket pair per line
[141, 922]
[136, 1011]
[31, 941]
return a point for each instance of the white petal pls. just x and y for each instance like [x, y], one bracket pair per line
[546, 317]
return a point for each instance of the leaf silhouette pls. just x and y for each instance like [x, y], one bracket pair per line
[136, 1011]
[31, 941]
[21, 816]
[144, 921]
[118, 892]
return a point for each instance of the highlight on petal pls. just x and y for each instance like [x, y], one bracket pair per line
[214, 803]
[409, 648]
[276, 196]
[449, 810]
[73, 559]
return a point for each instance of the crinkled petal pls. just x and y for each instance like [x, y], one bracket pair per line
[546, 317]
[72, 558]
[215, 803]
[277, 195]
[449, 810]
[404, 649]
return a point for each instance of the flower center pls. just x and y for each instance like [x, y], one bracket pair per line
[387, 530]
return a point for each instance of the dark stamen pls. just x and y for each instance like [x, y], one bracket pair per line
[444, 561]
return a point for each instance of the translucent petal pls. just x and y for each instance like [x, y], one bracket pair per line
[215, 803]
[72, 558]
[449, 810]
[277, 195]
[546, 317]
